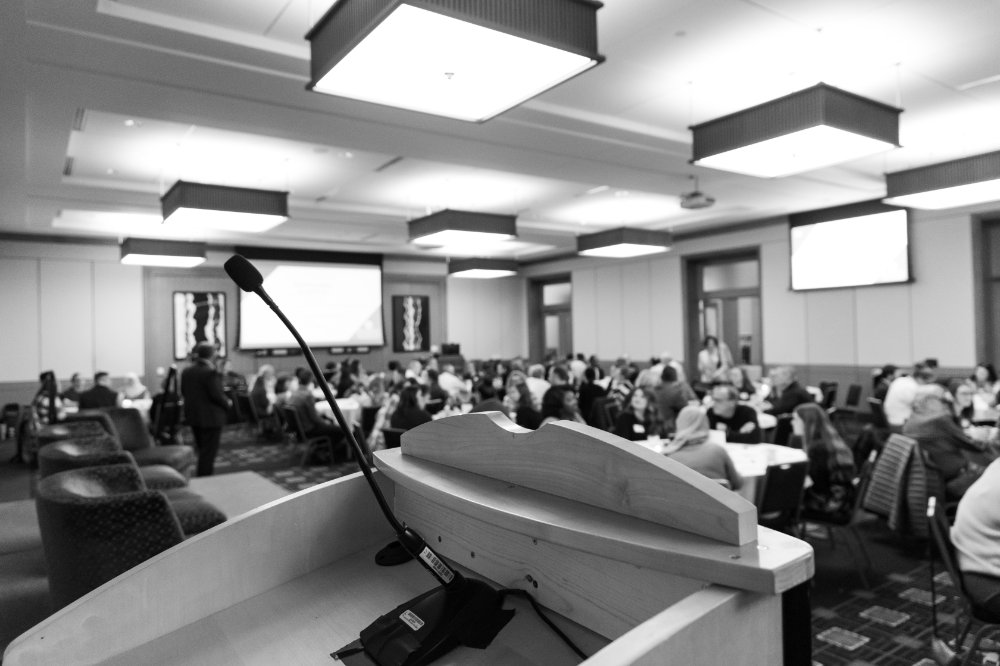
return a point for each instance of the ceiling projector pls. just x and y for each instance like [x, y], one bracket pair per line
[694, 200]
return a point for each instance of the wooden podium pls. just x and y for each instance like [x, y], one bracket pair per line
[638, 558]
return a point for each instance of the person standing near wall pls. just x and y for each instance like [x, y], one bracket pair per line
[205, 405]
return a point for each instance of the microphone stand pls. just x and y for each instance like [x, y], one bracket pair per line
[461, 611]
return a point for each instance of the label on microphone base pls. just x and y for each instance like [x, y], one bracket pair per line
[442, 570]
[412, 620]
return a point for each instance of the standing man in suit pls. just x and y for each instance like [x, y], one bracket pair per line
[205, 405]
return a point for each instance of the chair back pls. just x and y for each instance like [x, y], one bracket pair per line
[98, 522]
[293, 423]
[132, 431]
[368, 415]
[781, 495]
[829, 391]
[392, 437]
[878, 413]
[853, 397]
[941, 538]
[99, 416]
[67, 454]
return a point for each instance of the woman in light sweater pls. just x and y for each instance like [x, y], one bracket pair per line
[692, 448]
[976, 535]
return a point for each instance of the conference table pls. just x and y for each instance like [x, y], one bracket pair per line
[751, 461]
[349, 407]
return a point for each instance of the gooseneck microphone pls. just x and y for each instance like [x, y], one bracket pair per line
[461, 611]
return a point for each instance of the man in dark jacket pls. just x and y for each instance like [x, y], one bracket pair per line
[786, 395]
[205, 405]
[100, 395]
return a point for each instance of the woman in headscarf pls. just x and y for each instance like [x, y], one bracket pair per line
[134, 389]
[691, 447]
[831, 465]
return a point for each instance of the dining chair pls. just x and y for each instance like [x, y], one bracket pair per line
[392, 437]
[293, 425]
[848, 526]
[780, 502]
[134, 436]
[973, 614]
[829, 391]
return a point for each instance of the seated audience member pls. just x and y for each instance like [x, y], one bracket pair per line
[410, 412]
[595, 363]
[315, 425]
[284, 386]
[520, 403]
[577, 366]
[47, 404]
[232, 380]
[985, 384]
[560, 404]
[640, 419]
[959, 458]
[961, 393]
[691, 447]
[437, 397]
[590, 391]
[976, 536]
[536, 382]
[831, 465]
[558, 376]
[739, 422]
[395, 376]
[898, 402]
[487, 399]
[100, 395]
[786, 392]
[263, 396]
[134, 389]
[882, 379]
[72, 393]
[671, 396]
[746, 390]
[450, 381]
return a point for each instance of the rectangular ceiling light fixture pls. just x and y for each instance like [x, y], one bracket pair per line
[962, 182]
[806, 130]
[153, 252]
[461, 227]
[623, 242]
[482, 268]
[224, 208]
[465, 60]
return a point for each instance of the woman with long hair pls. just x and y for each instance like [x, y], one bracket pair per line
[962, 393]
[522, 405]
[410, 412]
[986, 385]
[640, 419]
[831, 464]
[560, 404]
[692, 448]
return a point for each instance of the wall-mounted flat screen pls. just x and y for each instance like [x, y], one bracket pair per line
[850, 252]
[331, 305]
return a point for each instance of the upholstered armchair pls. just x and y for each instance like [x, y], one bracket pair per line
[75, 453]
[134, 436]
[98, 522]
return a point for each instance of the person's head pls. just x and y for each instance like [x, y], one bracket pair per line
[692, 426]
[811, 423]
[782, 376]
[204, 351]
[131, 379]
[519, 393]
[413, 396]
[638, 400]
[305, 378]
[486, 389]
[710, 342]
[558, 375]
[930, 400]
[102, 379]
[76, 380]
[985, 374]
[669, 374]
[724, 400]
[536, 370]
[559, 402]
[962, 392]
[924, 375]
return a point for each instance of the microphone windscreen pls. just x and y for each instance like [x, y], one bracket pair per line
[243, 273]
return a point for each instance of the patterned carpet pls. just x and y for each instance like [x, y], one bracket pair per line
[889, 625]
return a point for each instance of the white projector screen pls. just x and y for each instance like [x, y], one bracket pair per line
[331, 305]
[851, 252]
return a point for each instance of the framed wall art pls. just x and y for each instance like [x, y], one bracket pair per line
[411, 328]
[199, 316]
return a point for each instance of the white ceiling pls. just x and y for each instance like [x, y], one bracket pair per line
[122, 98]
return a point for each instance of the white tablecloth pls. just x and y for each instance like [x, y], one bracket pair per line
[752, 461]
[349, 407]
